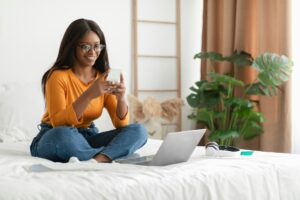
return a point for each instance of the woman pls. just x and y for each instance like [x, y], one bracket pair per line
[75, 91]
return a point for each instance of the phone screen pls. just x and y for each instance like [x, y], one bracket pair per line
[114, 75]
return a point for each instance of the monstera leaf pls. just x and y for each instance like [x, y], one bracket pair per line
[238, 102]
[204, 116]
[223, 135]
[259, 88]
[239, 58]
[229, 80]
[205, 94]
[273, 69]
[214, 56]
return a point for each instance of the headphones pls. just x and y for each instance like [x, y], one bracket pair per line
[214, 150]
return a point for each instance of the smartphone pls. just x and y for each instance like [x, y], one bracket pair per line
[114, 75]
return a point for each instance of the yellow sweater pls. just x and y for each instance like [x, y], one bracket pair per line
[62, 89]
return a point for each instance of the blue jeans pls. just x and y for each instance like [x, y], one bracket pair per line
[60, 143]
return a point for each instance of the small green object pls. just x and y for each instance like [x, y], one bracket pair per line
[246, 153]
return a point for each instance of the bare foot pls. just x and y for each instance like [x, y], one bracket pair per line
[102, 158]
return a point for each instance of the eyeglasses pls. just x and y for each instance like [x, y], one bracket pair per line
[87, 47]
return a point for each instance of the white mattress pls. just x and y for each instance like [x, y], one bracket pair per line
[261, 176]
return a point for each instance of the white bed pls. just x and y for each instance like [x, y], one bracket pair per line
[261, 176]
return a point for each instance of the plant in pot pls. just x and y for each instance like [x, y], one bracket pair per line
[230, 118]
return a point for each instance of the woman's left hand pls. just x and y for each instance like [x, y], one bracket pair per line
[118, 89]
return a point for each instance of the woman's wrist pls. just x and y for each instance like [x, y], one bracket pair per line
[121, 99]
[122, 108]
[88, 95]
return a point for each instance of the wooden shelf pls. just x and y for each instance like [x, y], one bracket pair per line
[148, 90]
[136, 55]
[156, 22]
[156, 56]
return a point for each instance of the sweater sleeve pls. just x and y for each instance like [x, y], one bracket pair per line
[110, 103]
[59, 112]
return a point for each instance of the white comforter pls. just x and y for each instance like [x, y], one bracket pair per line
[261, 176]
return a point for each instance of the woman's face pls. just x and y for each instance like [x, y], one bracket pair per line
[88, 49]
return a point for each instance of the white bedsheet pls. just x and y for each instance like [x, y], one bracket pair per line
[262, 176]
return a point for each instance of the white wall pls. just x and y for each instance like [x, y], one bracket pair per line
[31, 31]
[295, 78]
[191, 34]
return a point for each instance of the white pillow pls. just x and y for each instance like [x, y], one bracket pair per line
[21, 109]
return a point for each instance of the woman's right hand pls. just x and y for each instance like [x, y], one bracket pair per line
[98, 88]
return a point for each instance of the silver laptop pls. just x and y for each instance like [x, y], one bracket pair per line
[177, 147]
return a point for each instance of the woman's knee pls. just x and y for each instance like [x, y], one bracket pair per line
[62, 142]
[140, 132]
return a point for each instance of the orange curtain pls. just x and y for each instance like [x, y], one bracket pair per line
[255, 26]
